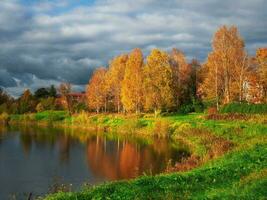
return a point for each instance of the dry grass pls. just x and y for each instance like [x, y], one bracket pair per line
[162, 128]
[204, 146]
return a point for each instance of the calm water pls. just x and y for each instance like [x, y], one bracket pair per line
[32, 159]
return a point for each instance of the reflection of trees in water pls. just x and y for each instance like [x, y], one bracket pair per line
[43, 137]
[3, 131]
[122, 159]
[64, 148]
[111, 158]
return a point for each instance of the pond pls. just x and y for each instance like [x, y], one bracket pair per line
[37, 159]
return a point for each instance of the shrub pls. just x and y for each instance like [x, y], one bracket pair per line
[162, 128]
[142, 123]
[4, 117]
[3, 108]
[82, 118]
[182, 128]
[186, 108]
[212, 111]
[198, 106]
[244, 108]
[79, 107]
[229, 116]
[39, 107]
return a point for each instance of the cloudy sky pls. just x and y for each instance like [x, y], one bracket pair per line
[47, 42]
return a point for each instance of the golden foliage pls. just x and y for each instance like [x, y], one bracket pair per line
[132, 85]
[226, 67]
[115, 76]
[158, 81]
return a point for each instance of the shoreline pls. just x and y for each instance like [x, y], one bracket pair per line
[215, 143]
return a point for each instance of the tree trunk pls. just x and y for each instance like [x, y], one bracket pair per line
[105, 105]
[216, 84]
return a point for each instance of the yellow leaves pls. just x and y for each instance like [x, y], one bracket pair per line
[115, 76]
[132, 91]
[158, 81]
[227, 66]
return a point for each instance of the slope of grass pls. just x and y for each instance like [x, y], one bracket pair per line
[237, 175]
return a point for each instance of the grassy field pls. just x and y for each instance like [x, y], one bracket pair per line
[228, 156]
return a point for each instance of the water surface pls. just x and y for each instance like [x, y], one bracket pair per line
[34, 159]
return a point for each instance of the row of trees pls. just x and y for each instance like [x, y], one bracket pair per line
[230, 74]
[162, 81]
[42, 99]
[165, 81]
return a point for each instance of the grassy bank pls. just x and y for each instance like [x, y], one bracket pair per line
[238, 175]
[228, 155]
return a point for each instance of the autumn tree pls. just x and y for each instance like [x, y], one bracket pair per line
[26, 102]
[212, 86]
[41, 93]
[158, 79]
[52, 91]
[261, 56]
[226, 67]
[115, 76]
[96, 90]
[64, 90]
[5, 101]
[4, 97]
[132, 85]
[183, 75]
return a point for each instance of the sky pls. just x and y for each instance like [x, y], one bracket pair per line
[48, 42]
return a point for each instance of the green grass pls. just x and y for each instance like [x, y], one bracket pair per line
[49, 116]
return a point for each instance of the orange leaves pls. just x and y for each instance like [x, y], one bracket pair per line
[96, 92]
[261, 57]
[226, 67]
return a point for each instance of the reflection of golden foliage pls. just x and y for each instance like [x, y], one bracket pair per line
[118, 164]
[99, 162]
[3, 130]
[125, 160]
[129, 160]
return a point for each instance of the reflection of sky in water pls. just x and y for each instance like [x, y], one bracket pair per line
[32, 158]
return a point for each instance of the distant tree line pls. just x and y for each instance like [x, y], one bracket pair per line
[42, 99]
[160, 82]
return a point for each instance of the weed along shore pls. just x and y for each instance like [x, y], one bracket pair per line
[227, 154]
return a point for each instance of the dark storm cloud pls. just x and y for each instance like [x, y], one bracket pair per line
[46, 42]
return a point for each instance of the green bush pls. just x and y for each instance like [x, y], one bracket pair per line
[142, 123]
[186, 108]
[198, 106]
[82, 118]
[244, 108]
